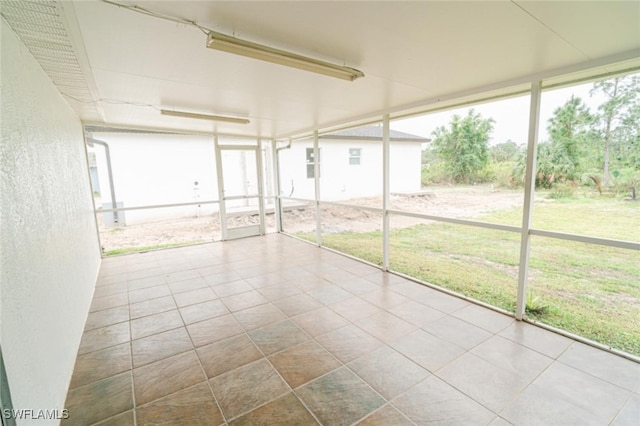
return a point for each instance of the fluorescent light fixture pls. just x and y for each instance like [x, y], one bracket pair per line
[230, 44]
[235, 120]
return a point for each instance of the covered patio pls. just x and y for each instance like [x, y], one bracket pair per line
[272, 330]
[265, 328]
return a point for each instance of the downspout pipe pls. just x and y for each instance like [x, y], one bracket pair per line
[276, 164]
[112, 189]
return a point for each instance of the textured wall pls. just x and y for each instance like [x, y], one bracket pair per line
[158, 169]
[49, 251]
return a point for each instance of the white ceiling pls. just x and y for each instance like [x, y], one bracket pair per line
[410, 52]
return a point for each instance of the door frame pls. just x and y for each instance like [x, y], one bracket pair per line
[230, 233]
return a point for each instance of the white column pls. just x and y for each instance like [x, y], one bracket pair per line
[260, 170]
[221, 206]
[316, 175]
[529, 189]
[276, 173]
[386, 192]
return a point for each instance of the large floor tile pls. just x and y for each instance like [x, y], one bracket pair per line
[512, 357]
[538, 406]
[600, 399]
[386, 327]
[630, 413]
[140, 295]
[214, 329]
[232, 288]
[99, 400]
[188, 274]
[303, 363]
[267, 280]
[435, 402]
[613, 369]
[487, 319]
[148, 279]
[536, 338]
[358, 286]
[167, 376]
[388, 372]
[187, 285]
[279, 291]
[106, 317]
[246, 300]
[355, 308]
[194, 406]
[385, 416]
[340, 398]
[416, 313]
[259, 316]
[277, 337]
[286, 410]
[157, 323]
[193, 297]
[225, 355]
[203, 311]
[320, 321]
[101, 364]
[349, 342]
[385, 298]
[491, 386]
[104, 337]
[427, 350]
[160, 346]
[297, 304]
[244, 389]
[457, 331]
[150, 307]
[106, 302]
[124, 419]
[442, 301]
[330, 294]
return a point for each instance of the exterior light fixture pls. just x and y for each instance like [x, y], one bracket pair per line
[225, 119]
[230, 44]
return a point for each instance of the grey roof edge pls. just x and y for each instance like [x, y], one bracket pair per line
[374, 133]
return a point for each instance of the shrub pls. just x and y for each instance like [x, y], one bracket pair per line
[562, 190]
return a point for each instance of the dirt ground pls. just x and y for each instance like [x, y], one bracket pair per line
[449, 201]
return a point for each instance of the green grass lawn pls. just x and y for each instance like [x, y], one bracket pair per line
[140, 249]
[589, 290]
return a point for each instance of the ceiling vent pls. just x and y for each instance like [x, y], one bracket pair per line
[41, 26]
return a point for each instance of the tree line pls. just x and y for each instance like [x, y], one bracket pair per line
[600, 148]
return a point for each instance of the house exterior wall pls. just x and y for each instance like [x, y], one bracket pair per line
[340, 180]
[153, 169]
[49, 250]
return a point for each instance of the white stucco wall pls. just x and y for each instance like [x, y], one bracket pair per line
[340, 180]
[154, 169]
[49, 251]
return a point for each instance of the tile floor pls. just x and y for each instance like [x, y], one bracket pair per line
[271, 330]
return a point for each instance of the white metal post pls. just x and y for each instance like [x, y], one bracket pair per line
[316, 175]
[386, 192]
[222, 206]
[276, 181]
[259, 166]
[529, 189]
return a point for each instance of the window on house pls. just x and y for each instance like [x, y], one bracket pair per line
[311, 163]
[354, 156]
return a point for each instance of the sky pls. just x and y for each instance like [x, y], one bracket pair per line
[511, 115]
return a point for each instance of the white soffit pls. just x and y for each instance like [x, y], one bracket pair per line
[42, 27]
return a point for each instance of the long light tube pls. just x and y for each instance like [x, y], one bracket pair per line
[235, 45]
[226, 119]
